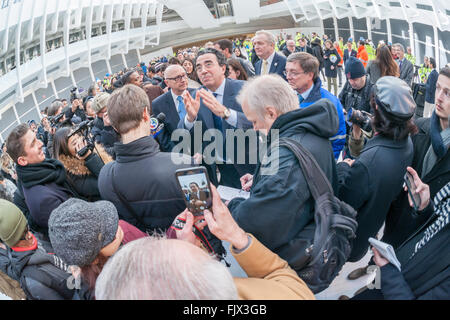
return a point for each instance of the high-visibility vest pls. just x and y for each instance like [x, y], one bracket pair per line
[370, 51]
[410, 58]
[424, 73]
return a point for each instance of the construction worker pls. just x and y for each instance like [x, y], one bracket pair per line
[410, 57]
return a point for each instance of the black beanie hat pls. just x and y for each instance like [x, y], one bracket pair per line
[354, 68]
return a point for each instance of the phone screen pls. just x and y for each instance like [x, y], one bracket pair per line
[194, 184]
[409, 180]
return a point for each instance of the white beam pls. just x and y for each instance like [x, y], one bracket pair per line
[352, 30]
[66, 39]
[128, 25]
[55, 18]
[36, 104]
[436, 47]
[31, 24]
[19, 91]
[411, 40]
[4, 47]
[377, 9]
[43, 47]
[389, 31]
[369, 27]
[336, 31]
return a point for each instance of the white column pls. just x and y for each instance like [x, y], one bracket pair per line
[108, 66]
[411, 41]
[352, 31]
[52, 82]
[437, 54]
[36, 105]
[4, 47]
[138, 55]
[388, 26]
[18, 67]
[336, 31]
[124, 60]
[369, 28]
[42, 29]
[16, 114]
[74, 83]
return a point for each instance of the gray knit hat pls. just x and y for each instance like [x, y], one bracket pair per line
[100, 101]
[78, 230]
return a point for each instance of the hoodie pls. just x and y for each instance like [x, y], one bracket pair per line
[280, 205]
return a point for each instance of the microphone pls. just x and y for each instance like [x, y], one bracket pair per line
[157, 124]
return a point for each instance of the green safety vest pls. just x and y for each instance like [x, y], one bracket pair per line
[410, 58]
[423, 73]
[370, 51]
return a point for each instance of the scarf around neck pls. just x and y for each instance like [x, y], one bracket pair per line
[48, 171]
[440, 142]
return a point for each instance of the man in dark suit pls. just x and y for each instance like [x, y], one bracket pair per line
[270, 61]
[349, 52]
[215, 107]
[406, 67]
[171, 104]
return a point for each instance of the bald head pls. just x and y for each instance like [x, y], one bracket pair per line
[162, 269]
[176, 79]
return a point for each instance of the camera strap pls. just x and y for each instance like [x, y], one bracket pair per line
[179, 223]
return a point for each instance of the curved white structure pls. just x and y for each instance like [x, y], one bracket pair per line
[48, 46]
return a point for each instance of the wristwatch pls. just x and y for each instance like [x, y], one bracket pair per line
[226, 113]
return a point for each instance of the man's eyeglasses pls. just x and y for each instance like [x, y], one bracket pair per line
[178, 79]
[293, 74]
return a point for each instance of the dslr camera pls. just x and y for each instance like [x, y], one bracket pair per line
[361, 118]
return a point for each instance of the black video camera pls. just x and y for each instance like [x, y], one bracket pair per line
[84, 129]
[74, 94]
[360, 118]
[55, 120]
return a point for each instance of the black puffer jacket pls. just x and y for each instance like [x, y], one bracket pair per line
[280, 204]
[145, 178]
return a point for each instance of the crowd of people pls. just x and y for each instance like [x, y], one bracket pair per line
[91, 207]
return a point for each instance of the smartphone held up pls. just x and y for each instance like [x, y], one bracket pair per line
[195, 185]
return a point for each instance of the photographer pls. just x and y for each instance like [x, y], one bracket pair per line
[102, 130]
[82, 170]
[55, 118]
[371, 182]
[76, 113]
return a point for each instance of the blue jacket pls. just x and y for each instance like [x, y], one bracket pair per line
[278, 65]
[317, 93]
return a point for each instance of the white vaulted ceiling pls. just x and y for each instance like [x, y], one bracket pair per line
[42, 41]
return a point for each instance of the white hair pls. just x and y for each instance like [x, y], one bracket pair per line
[268, 90]
[164, 269]
[400, 46]
[269, 36]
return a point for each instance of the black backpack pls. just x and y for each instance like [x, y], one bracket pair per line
[325, 244]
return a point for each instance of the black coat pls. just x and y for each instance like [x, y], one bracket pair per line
[425, 260]
[83, 175]
[280, 204]
[330, 55]
[371, 184]
[145, 178]
[317, 52]
[43, 276]
[401, 220]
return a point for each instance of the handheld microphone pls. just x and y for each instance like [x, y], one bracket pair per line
[157, 124]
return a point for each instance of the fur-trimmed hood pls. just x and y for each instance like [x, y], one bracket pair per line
[77, 167]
